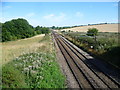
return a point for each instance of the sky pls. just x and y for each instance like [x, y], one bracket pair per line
[61, 13]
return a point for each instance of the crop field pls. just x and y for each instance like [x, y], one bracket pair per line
[101, 28]
[105, 46]
[31, 63]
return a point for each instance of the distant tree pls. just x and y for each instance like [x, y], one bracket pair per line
[63, 31]
[53, 27]
[93, 32]
[69, 31]
[16, 29]
[45, 30]
[42, 30]
[38, 30]
[0, 31]
[19, 29]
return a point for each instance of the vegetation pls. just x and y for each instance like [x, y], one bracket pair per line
[16, 48]
[16, 29]
[106, 46]
[58, 28]
[0, 32]
[36, 69]
[20, 29]
[92, 32]
[41, 30]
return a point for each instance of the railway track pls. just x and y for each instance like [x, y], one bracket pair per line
[85, 75]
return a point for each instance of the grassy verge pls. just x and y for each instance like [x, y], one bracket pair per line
[106, 48]
[37, 69]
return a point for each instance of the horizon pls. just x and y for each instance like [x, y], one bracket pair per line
[61, 14]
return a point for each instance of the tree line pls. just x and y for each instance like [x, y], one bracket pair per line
[20, 29]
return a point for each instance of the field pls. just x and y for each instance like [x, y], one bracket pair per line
[13, 49]
[101, 28]
[31, 63]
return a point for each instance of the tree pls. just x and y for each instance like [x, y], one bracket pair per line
[0, 31]
[53, 27]
[38, 30]
[20, 29]
[16, 29]
[93, 32]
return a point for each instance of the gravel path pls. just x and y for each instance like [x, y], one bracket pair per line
[70, 80]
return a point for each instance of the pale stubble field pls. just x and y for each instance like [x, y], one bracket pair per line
[101, 28]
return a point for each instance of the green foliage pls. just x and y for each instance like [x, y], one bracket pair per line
[40, 70]
[53, 27]
[12, 78]
[0, 31]
[92, 31]
[16, 29]
[105, 47]
[38, 30]
[20, 29]
[113, 56]
[58, 28]
[42, 30]
[63, 31]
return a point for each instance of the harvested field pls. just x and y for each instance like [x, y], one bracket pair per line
[101, 28]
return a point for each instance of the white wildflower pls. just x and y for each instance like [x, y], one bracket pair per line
[33, 72]
[91, 46]
[36, 66]
[31, 56]
[34, 63]
[26, 69]
[30, 66]
[40, 77]
[17, 57]
[15, 64]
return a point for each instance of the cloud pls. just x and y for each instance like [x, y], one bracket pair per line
[1, 19]
[50, 16]
[79, 14]
[5, 7]
[30, 14]
[56, 18]
[115, 5]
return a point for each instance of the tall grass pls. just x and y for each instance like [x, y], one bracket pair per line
[106, 47]
[13, 49]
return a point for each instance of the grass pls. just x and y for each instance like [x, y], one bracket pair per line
[36, 69]
[13, 49]
[105, 48]
[12, 77]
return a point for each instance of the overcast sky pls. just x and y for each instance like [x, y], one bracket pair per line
[61, 13]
